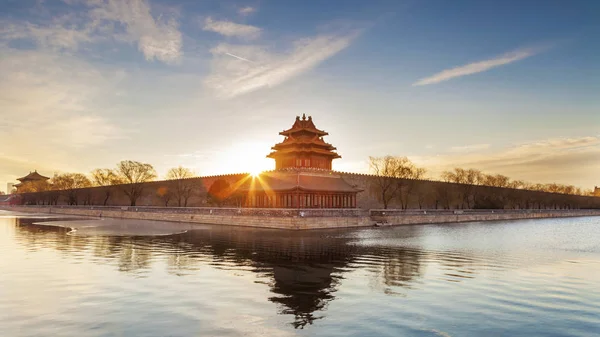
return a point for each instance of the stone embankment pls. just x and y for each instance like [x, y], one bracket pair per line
[300, 219]
[409, 217]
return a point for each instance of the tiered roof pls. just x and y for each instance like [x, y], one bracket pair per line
[32, 176]
[303, 136]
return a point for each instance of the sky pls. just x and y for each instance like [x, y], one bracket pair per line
[507, 87]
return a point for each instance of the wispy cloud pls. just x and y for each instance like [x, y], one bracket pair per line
[231, 77]
[157, 38]
[246, 10]
[56, 35]
[470, 148]
[231, 29]
[478, 67]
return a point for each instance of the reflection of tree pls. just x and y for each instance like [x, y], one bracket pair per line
[302, 269]
[401, 266]
[38, 236]
[129, 252]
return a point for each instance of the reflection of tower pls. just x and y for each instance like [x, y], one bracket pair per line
[303, 270]
[303, 290]
[302, 266]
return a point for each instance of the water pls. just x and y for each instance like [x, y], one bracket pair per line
[135, 278]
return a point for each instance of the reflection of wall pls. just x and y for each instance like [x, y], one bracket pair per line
[303, 270]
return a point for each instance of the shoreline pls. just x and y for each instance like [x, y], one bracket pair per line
[299, 219]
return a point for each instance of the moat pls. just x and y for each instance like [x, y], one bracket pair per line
[143, 278]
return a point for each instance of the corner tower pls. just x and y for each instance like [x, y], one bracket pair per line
[303, 146]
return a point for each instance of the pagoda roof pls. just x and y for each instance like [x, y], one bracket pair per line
[303, 124]
[280, 152]
[299, 181]
[33, 176]
[293, 141]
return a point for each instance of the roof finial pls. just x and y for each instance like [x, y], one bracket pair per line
[303, 117]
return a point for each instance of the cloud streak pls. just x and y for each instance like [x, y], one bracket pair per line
[231, 29]
[246, 10]
[238, 57]
[470, 148]
[478, 67]
[231, 77]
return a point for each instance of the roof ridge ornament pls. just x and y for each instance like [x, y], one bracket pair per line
[303, 117]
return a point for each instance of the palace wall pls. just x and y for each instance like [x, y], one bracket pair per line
[415, 194]
[429, 194]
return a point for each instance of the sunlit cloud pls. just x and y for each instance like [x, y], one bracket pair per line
[157, 38]
[232, 77]
[48, 105]
[246, 10]
[478, 67]
[563, 160]
[231, 29]
[470, 148]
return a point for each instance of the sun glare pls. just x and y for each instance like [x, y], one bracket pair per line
[247, 157]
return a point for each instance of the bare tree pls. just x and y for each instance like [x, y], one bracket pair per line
[184, 185]
[71, 185]
[497, 180]
[424, 194]
[135, 175]
[107, 178]
[165, 194]
[408, 181]
[388, 170]
[466, 181]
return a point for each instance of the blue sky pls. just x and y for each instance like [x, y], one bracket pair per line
[508, 87]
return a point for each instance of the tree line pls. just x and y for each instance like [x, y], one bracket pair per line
[128, 176]
[396, 180]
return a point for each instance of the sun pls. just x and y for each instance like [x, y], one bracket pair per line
[249, 157]
[255, 171]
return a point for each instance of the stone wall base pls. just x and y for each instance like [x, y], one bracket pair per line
[293, 223]
[302, 223]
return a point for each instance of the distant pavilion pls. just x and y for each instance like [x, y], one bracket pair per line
[32, 177]
[303, 177]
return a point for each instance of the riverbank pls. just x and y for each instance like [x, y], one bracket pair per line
[300, 219]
